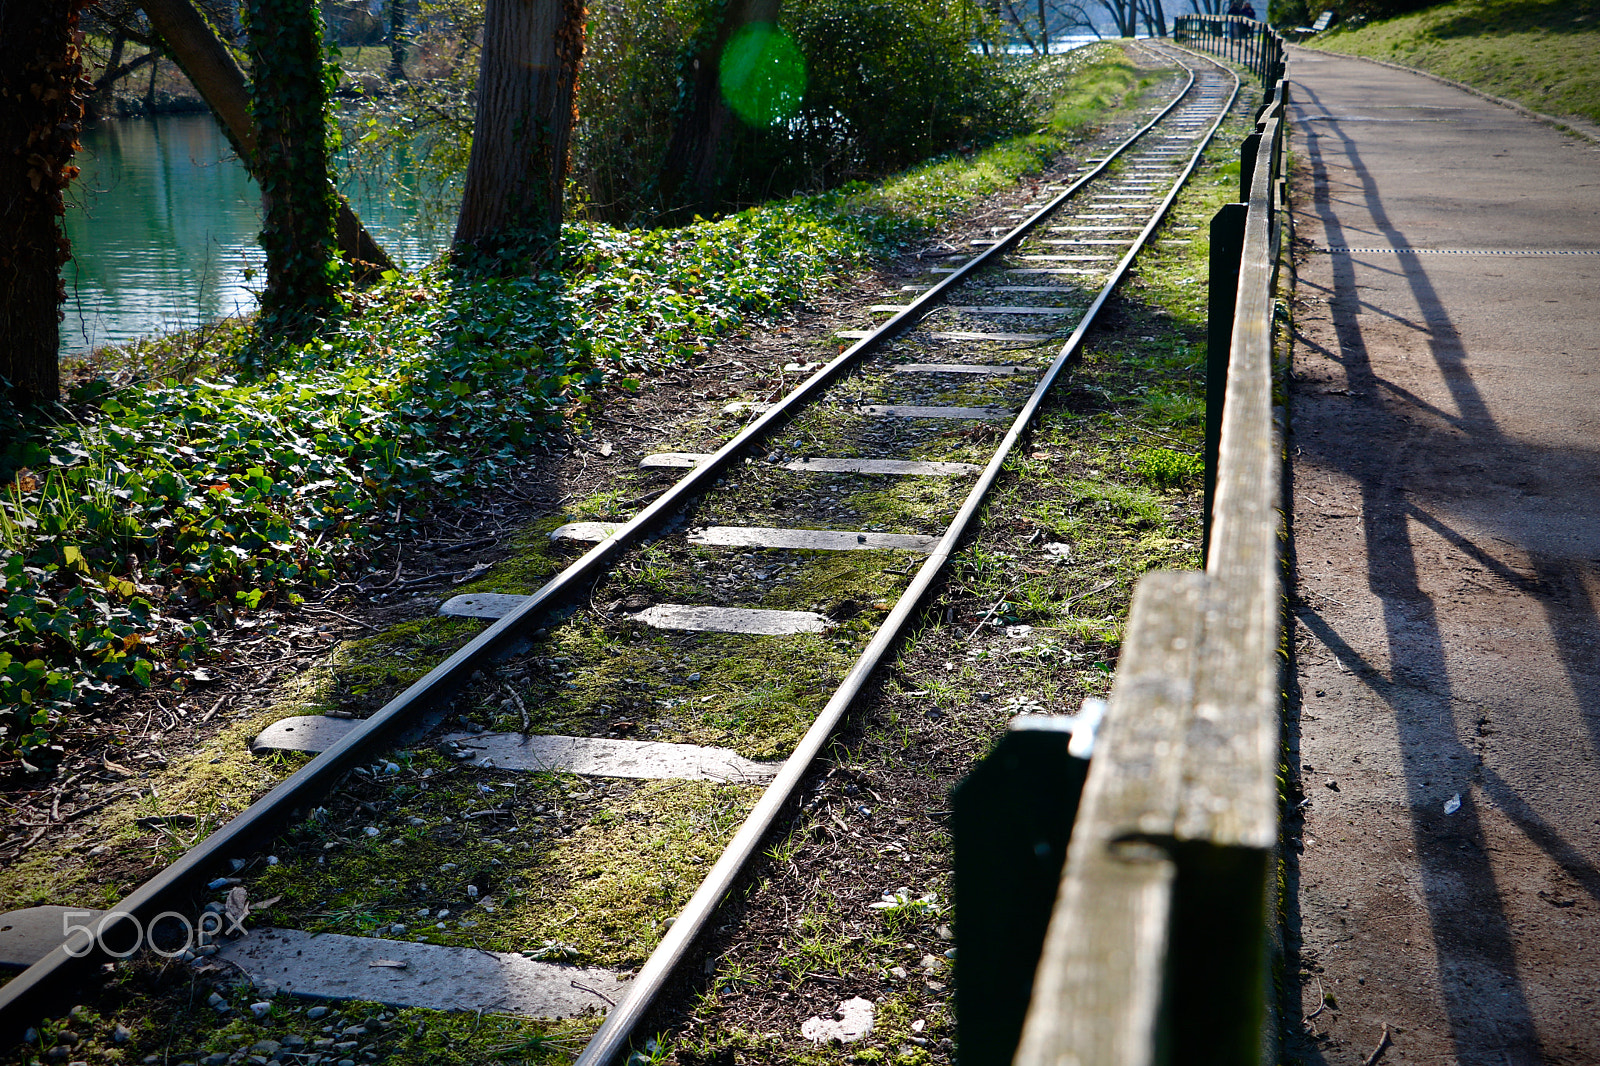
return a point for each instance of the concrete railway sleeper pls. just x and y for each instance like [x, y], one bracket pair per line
[724, 565]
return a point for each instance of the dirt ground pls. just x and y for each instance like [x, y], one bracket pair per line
[1443, 848]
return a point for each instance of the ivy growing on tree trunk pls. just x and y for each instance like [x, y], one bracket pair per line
[290, 87]
[42, 97]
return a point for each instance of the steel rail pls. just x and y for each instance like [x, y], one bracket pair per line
[32, 993]
[611, 1039]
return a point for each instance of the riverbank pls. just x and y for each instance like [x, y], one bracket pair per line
[1544, 56]
[160, 87]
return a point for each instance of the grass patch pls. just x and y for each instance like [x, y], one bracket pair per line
[1544, 55]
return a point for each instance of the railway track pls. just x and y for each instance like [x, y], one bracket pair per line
[682, 670]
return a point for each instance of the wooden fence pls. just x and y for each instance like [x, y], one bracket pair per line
[1158, 944]
[1239, 40]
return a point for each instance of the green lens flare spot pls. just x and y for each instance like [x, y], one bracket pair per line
[762, 74]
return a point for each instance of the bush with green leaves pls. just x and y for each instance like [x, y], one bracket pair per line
[893, 81]
[889, 82]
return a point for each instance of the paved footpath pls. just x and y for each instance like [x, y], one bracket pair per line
[1445, 442]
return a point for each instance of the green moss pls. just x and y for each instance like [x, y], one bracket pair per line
[585, 876]
[373, 669]
[1167, 469]
[175, 1024]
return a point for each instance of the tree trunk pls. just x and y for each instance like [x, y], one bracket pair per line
[527, 74]
[217, 76]
[1155, 19]
[44, 92]
[397, 43]
[692, 170]
[114, 71]
[289, 101]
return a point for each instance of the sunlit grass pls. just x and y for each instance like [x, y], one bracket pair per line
[1544, 55]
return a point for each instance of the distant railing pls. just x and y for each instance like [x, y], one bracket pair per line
[1158, 946]
[1249, 43]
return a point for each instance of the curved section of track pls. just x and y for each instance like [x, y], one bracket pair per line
[976, 349]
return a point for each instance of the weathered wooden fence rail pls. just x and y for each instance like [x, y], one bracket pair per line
[1157, 948]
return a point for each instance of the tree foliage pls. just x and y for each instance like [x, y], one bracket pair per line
[917, 89]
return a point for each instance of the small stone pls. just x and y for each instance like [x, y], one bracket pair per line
[272, 860]
[852, 1020]
[268, 1048]
[899, 972]
[345, 1045]
[397, 929]
[260, 1009]
[219, 1004]
[472, 891]
[218, 1058]
[444, 914]
[294, 1040]
[316, 1012]
[347, 1062]
[419, 821]
[30, 1036]
[373, 830]
[391, 768]
[354, 1030]
[694, 679]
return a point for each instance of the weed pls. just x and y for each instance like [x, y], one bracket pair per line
[1167, 469]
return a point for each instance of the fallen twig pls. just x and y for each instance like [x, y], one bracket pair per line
[630, 425]
[1377, 1052]
[337, 614]
[522, 708]
[608, 999]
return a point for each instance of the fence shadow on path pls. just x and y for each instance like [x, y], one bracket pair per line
[1388, 428]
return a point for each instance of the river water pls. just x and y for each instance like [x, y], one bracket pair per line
[163, 220]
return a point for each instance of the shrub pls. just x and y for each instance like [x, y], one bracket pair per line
[1167, 469]
[895, 81]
